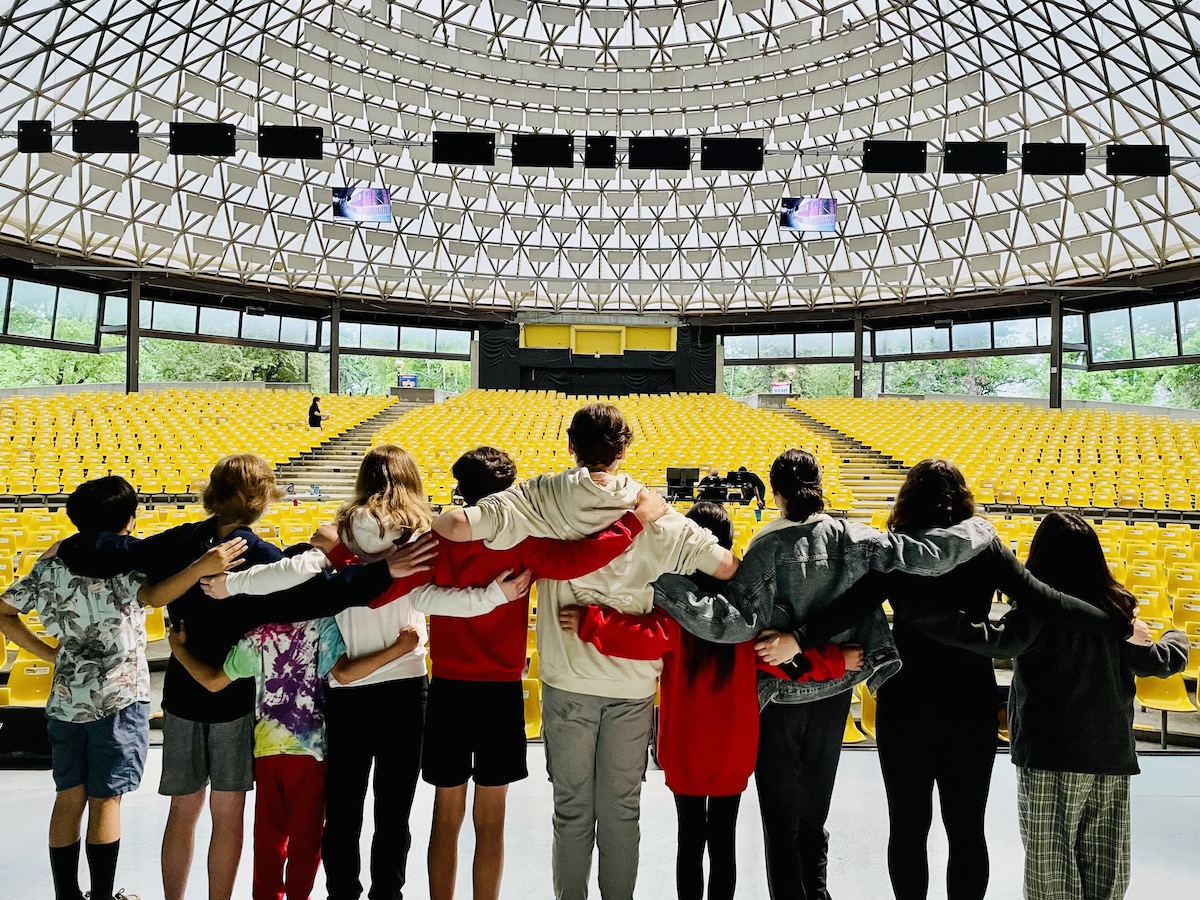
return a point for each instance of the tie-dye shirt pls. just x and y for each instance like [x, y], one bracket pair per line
[289, 664]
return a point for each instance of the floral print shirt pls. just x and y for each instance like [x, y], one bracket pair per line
[289, 664]
[101, 633]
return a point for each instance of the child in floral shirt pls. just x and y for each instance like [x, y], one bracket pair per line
[98, 712]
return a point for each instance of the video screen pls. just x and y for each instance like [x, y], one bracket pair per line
[362, 204]
[808, 214]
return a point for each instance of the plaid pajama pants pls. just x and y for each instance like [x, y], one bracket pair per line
[1075, 829]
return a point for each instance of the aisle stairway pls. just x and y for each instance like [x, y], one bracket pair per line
[870, 476]
[334, 465]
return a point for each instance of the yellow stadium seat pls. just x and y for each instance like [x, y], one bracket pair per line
[531, 690]
[851, 734]
[1150, 574]
[156, 627]
[867, 715]
[532, 669]
[29, 682]
[1167, 695]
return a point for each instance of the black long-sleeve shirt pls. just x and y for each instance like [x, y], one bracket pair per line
[215, 626]
[932, 614]
[1071, 702]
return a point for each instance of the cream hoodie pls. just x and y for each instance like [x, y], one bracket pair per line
[569, 506]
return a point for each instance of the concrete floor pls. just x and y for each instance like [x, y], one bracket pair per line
[1166, 811]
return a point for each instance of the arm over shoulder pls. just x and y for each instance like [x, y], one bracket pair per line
[934, 551]
[1014, 580]
[516, 513]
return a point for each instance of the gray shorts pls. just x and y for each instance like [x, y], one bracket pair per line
[196, 754]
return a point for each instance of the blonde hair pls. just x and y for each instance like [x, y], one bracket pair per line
[388, 489]
[240, 488]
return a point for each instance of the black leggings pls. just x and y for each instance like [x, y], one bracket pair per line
[711, 822]
[918, 749]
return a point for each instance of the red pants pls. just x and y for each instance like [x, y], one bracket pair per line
[289, 817]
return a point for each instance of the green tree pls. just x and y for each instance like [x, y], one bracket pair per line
[164, 360]
[30, 366]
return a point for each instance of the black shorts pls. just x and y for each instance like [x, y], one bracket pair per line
[474, 729]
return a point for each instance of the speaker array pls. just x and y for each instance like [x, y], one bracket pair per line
[645, 153]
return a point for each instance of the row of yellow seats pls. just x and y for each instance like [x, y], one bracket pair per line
[668, 430]
[56, 442]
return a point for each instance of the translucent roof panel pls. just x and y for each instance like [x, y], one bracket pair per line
[812, 79]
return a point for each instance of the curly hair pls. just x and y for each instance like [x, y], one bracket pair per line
[599, 435]
[934, 495]
[796, 477]
[482, 472]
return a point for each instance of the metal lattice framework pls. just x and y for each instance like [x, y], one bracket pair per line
[806, 75]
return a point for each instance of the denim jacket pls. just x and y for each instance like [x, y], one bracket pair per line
[795, 568]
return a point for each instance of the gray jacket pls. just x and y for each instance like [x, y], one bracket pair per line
[795, 568]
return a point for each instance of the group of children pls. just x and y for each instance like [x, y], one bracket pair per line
[312, 680]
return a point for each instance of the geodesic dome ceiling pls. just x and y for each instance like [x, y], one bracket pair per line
[813, 79]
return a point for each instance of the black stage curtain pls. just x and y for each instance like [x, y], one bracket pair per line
[691, 367]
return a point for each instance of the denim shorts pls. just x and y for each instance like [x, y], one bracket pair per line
[196, 754]
[106, 756]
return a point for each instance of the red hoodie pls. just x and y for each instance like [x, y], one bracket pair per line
[492, 647]
[707, 733]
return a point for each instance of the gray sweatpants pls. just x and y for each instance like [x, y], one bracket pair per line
[596, 750]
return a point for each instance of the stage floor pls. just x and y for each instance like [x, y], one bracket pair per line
[1166, 819]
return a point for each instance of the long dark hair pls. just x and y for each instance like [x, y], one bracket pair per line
[702, 654]
[934, 495]
[796, 477]
[1066, 554]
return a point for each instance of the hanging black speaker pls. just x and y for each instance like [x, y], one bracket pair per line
[1053, 159]
[202, 139]
[33, 136]
[600, 151]
[1144, 160]
[660, 153]
[291, 141]
[732, 154]
[544, 150]
[895, 157]
[94, 136]
[464, 148]
[975, 158]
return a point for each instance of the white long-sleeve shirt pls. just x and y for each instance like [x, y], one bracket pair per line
[368, 630]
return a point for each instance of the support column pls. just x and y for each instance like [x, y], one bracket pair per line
[858, 354]
[1056, 352]
[335, 347]
[475, 361]
[133, 335]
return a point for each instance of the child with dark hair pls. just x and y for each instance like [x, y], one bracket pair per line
[708, 717]
[1070, 709]
[98, 710]
[950, 744]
